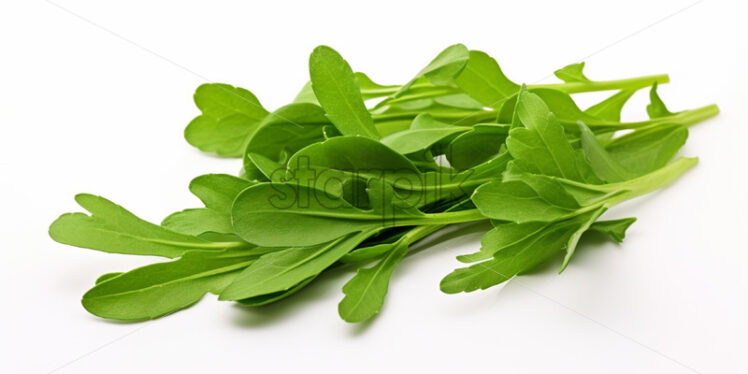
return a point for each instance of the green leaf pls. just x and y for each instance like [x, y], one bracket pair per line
[275, 296]
[218, 191]
[504, 235]
[603, 164]
[282, 134]
[365, 292]
[107, 276]
[562, 191]
[424, 134]
[283, 215]
[572, 73]
[370, 89]
[541, 146]
[480, 144]
[646, 150]
[615, 229]
[656, 107]
[610, 108]
[229, 115]
[159, 289]
[282, 270]
[460, 100]
[198, 221]
[573, 240]
[442, 69]
[484, 81]
[518, 202]
[336, 89]
[111, 228]
[533, 248]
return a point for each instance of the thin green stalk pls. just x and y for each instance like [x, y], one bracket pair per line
[570, 87]
[461, 216]
[618, 84]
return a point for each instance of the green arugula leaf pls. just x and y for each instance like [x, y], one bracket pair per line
[272, 214]
[230, 115]
[603, 164]
[107, 276]
[518, 202]
[483, 80]
[572, 73]
[218, 191]
[615, 229]
[198, 221]
[610, 108]
[336, 89]
[442, 69]
[647, 150]
[111, 228]
[159, 289]
[656, 107]
[535, 247]
[541, 146]
[275, 296]
[282, 134]
[365, 292]
[472, 148]
[425, 133]
[282, 270]
[370, 89]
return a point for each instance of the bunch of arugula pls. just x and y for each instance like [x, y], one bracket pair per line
[328, 181]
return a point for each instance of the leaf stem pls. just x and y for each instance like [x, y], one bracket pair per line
[629, 83]
[468, 215]
[570, 87]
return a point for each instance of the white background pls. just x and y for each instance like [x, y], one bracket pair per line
[97, 103]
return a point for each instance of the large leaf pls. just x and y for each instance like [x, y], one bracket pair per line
[111, 228]
[282, 270]
[158, 289]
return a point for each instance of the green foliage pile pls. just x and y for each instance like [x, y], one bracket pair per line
[330, 181]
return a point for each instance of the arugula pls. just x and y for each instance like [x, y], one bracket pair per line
[159, 289]
[229, 115]
[111, 228]
[336, 180]
[335, 87]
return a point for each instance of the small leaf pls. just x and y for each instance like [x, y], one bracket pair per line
[656, 107]
[218, 191]
[230, 115]
[573, 240]
[572, 73]
[603, 164]
[365, 292]
[610, 108]
[615, 229]
[198, 221]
